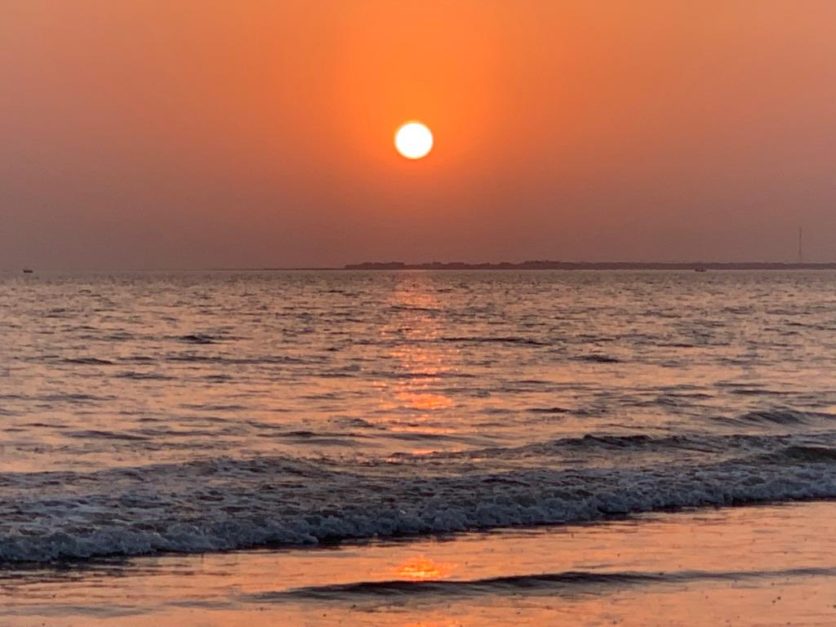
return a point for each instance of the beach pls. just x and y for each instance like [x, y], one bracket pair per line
[767, 565]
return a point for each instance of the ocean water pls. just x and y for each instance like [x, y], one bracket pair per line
[152, 413]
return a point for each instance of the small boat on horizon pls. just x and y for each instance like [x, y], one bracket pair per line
[28, 271]
[700, 269]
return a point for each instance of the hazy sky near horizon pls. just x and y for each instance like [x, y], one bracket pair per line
[208, 133]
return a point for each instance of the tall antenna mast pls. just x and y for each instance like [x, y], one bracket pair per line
[800, 245]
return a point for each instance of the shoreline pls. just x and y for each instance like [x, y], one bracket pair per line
[699, 566]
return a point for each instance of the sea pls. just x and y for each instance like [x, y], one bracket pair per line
[162, 415]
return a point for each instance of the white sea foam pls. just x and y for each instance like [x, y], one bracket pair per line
[228, 504]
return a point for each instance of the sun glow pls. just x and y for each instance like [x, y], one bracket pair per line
[414, 140]
[423, 569]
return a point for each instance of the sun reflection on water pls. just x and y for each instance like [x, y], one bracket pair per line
[415, 400]
[423, 569]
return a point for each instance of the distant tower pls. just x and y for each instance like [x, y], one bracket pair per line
[800, 245]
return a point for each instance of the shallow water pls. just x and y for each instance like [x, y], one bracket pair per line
[189, 412]
[761, 565]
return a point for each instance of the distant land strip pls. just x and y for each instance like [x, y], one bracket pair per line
[589, 265]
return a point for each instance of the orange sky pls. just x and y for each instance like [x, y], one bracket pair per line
[207, 133]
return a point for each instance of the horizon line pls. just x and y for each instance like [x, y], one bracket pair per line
[545, 264]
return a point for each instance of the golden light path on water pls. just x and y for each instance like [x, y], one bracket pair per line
[415, 402]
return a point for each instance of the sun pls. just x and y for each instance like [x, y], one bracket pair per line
[414, 140]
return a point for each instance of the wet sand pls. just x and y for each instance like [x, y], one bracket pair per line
[765, 565]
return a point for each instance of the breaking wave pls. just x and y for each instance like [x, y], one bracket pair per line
[225, 504]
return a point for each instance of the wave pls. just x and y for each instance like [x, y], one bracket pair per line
[415, 308]
[572, 581]
[240, 361]
[598, 358]
[88, 434]
[790, 454]
[496, 340]
[143, 376]
[596, 446]
[198, 338]
[782, 416]
[88, 361]
[223, 504]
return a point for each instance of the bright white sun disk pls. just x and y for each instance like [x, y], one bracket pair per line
[414, 140]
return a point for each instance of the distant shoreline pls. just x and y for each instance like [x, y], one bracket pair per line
[455, 265]
[590, 265]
